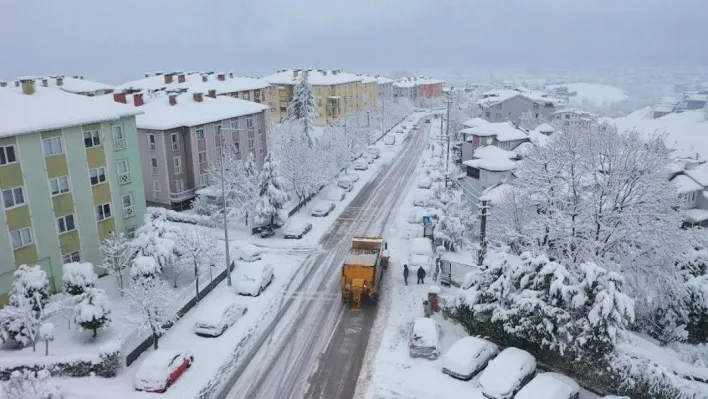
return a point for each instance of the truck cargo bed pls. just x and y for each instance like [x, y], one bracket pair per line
[362, 258]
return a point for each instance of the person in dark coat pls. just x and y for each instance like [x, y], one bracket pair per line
[405, 274]
[421, 275]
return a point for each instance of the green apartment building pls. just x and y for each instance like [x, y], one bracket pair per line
[70, 175]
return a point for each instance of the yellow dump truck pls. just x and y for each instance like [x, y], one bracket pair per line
[362, 269]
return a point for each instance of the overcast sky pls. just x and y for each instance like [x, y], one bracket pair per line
[118, 40]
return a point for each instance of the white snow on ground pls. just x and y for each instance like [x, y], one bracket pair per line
[596, 94]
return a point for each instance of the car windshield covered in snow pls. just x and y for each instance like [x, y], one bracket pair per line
[507, 373]
[549, 386]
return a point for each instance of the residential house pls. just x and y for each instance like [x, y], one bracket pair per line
[369, 91]
[573, 118]
[509, 104]
[182, 133]
[503, 135]
[69, 175]
[336, 92]
[490, 165]
[73, 84]
[430, 87]
[666, 106]
[691, 183]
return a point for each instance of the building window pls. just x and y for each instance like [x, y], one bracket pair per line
[59, 185]
[72, 257]
[103, 212]
[123, 171]
[13, 197]
[251, 144]
[247, 95]
[153, 167]
[249, 123]
[128, 205]
[119, 142]
[536, 106]
[179, 185]
[237, 150]
[21, 237]
[7, 154]
[487, 115]
[256, 95]
[52, 146]
[66, 224]
[98, 175]
[152, 142]
[178, 164]
[92, 139]
[200, 133]
[156, 189]
[202, 157]
[473, 172]
[234, 124]
[175, 141]
[204, 179]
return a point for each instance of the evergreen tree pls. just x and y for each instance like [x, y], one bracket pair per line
[302, 108]
[272, 194]
[93, 310]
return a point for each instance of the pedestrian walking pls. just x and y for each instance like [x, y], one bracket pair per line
[405, 274]
[421, 275]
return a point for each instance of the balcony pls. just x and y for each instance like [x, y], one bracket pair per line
[124, 178]
[119, 144]
[184, 195]
[129, 212]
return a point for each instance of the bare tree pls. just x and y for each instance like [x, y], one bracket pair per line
[198, 250]
[152, 305]
[116, 256]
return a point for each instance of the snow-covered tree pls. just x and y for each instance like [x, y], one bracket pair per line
[46, 335]
[530, 120]
[302, 108]
[93, 310]
[240, 180]
[116, 256]
[449, 228]
[156, 239]
[298, 159]
[144, 267]
[27, 301]
[77, 277]
[152, 304]
[29, 384]
[198, 250]
[272, 194]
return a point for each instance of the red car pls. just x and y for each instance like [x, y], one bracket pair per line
[161, 369]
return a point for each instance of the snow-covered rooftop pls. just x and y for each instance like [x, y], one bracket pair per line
[317, 77]
[504, 131]
[495, 97]
[545, 128]
[699, 174]
[696, 215]
[475, 122]
[492, 164]
[495, 193]
[383, 80]
[412, 81]
[685, 184]
[492, 151]
[194, 83]
[49, 108]
[72, 84]
[575, 111]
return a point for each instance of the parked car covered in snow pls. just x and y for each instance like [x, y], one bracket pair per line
[213, 320]
[335, 194]
[254, 278]
[422, 246]
[361, 164]
[507, 373]
[345, 184]
[267, 232]
[416, 261]
[550, 386]
[421, 199]
[467, 357]
[390, 139]
[350, 176]
[424, 338]
[322, 208]
[246, 252]
[296, 229]
[424, 183]
[161, 369]
[374, 151]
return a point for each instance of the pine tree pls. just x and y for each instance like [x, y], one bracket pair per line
[272, 194]
[93, 310]
[302, 108]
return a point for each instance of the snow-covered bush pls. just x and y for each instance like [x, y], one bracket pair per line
[144, 267]
[77, 277]
[93, 310]
[28, 384]
[28, 297]
[156, 239]
[152, 304]
[116, 256]
[46, 335]
[272, 194]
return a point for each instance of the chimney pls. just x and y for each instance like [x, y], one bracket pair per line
[60, 80]
[197, 97]
[295, 72]
[173, 99]
[324, 72]
[221, 76]
[205, 77]
[334, 72]
[120, 98]
[138, 99]
[45, 82]
[231, 74]
[181, 78]
[306, 73]
[81, 77]
[3, 83]
[27, 86]
[212, 93]
[168, 78]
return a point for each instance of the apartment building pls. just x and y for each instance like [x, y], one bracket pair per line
[181, 133]
[385, 87]
[336, 92]
[573, 118]
[509, 104]
[414, 87]
[369, 91]
[69, 176]
[72, 84]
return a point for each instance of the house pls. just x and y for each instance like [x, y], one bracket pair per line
[573, 118]
[430, 87]
[69, 175]
[694, 101]
[509, 104]
[666, 106]
[336, 92]
[503, 135]
[691, 183]
[369, 90]
[493, 166]
[73, 84]
[180, 134]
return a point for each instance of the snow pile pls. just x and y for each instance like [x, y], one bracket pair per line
[593, 93]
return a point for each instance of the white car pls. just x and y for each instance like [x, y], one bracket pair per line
[416, 261]
[467, 357]
[390, 140]
[424, 183]
[296, 229]
[422, 246]
[507, 373]
[416, 216]
[335, 194]
[353, 177]
[550, 386]
[361, 164]
[345, 184]
[246, 252]
[253, 278]
[161, 369]
[374, 151]
[213, 320]
[424, 340]
[421, 199]
[369, 159]
[322, 208]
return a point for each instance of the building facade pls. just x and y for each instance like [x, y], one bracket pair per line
[67, 181]
[508, 105]
[573, 118]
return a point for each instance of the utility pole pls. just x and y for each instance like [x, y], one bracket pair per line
[447, 133]
[482, 234]
[223, 209]
[383, 114]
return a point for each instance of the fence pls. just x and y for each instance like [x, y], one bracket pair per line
[147, 343]
[453, 273]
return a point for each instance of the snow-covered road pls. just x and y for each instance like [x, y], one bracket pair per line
[315, 346]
